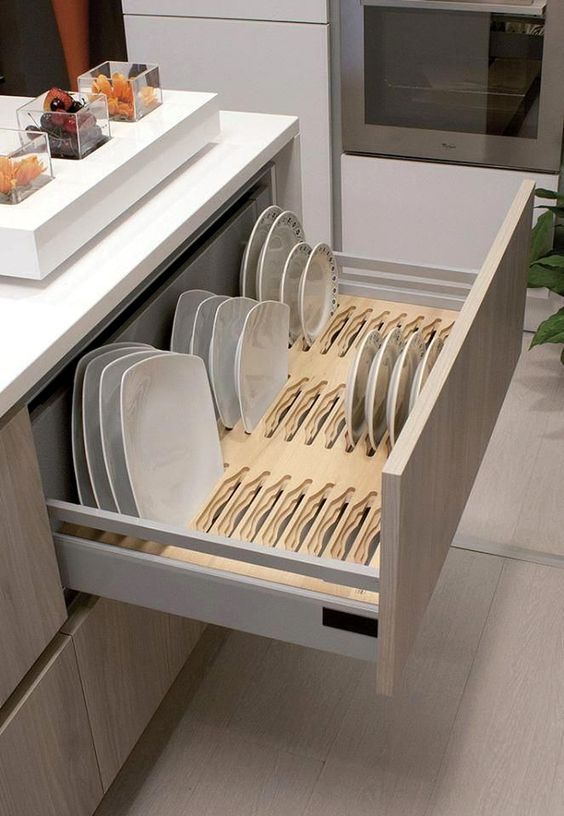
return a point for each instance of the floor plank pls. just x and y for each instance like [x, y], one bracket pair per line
[505, 753]
[297, 700]
[516, 495]
[388, 753]
[219, 697]
[246, 778]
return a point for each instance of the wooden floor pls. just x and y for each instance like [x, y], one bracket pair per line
[517, 505]
[478, 726]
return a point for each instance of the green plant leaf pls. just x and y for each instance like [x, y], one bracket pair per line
[558, 211]
[550, 194]
[551, 278]
[552, 260]
[550, 330]
[541, 237]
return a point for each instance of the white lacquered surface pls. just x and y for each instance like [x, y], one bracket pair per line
[40, 321]
[86, 196]
[295, 11]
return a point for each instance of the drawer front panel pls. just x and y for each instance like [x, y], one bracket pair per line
[47, 760]
[429, 475]
[128, 657]
[218, 597]
[32, 606]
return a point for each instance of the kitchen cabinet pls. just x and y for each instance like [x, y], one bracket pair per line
[47, 760]
[32, 606]
[68, 721]
[127, 659]
[254, 65]
[297, 11]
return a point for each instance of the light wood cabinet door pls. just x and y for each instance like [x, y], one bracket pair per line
[32, 606]
[47, 760]
[128, 658]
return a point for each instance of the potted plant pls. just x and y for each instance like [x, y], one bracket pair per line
[546, 266]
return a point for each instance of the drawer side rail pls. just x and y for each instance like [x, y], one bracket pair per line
[337, 572]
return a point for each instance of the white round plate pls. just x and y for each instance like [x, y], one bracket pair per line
[357, 379]
[290, 285]
[283, 236]
[228, 325]
[170, 437]
[184, 316]
[251, 255]
[112, 442]
[378, 385]
[92, 426]
[262, 360]
[203, 327]
[397, 404]
[83, 482]
[424, 368]
[317, 296]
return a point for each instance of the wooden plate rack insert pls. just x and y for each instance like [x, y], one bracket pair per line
[296, 482]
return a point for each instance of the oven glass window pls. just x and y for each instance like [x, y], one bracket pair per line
[470, 72]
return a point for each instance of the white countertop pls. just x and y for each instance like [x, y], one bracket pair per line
[41, 321]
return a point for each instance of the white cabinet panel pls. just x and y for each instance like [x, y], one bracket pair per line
[425, 213]
[298, 11]
[431, 214]
[254, 66]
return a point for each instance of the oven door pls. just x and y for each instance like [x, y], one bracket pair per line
[454, 80]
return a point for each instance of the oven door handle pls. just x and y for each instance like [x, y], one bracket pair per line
[534, 8]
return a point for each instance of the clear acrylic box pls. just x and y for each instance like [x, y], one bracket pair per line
[133, 89]
[72, 133]
[25, 164]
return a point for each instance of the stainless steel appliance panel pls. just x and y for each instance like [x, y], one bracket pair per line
[454, 81]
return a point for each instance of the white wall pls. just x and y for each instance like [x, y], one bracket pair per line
[426, 213]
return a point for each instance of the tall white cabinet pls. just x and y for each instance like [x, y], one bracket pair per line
[259, 55]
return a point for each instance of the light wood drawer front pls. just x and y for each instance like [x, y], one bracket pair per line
[127, 658]
[47, 760]
[32, 605]
[429, 475]
[308, 586]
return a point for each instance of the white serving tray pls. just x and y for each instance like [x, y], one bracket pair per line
[40, 233]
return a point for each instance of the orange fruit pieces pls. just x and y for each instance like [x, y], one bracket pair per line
[18, 173]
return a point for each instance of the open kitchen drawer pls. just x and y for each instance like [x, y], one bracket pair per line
[304, 539]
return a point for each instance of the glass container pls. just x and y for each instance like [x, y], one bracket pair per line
[133, 89]
[74, 132]
[25, 164]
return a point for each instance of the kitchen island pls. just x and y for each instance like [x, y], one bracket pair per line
[40, 322]
[80, 677]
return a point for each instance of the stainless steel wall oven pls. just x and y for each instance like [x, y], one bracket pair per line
[465, 81]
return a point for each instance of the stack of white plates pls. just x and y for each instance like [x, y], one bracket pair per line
[244, 346]
[278, 265]
[384, 382]
[145, 438]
